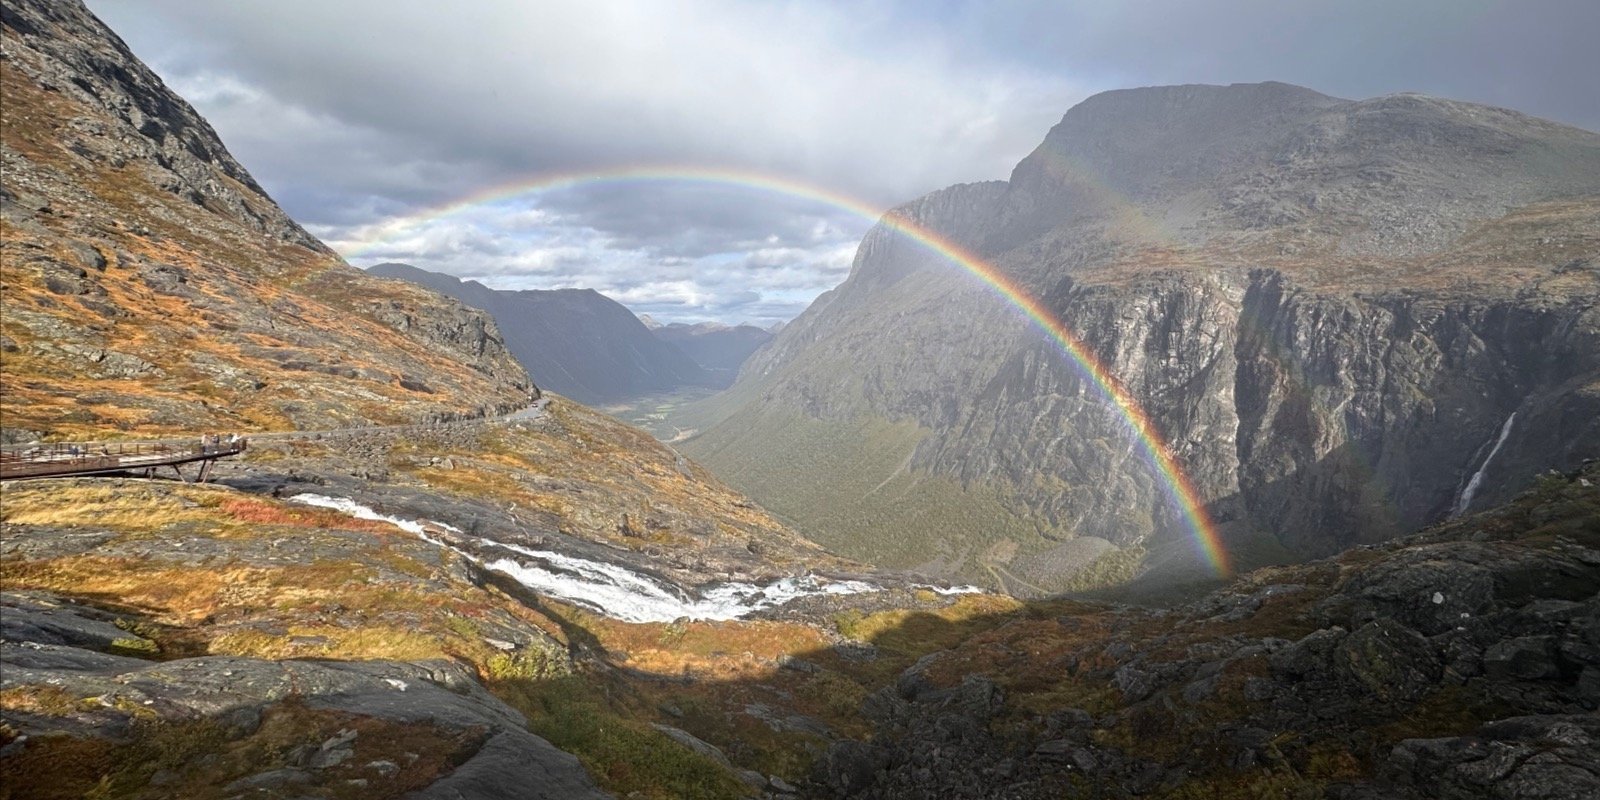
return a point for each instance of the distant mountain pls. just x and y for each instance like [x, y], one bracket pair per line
[576, 342]
[720, 349]
[1344, 319]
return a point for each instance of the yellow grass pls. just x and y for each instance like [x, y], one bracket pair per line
[101, 506]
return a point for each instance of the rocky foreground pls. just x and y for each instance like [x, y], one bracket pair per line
[377, 612]
[222, 642]
[1462, 662]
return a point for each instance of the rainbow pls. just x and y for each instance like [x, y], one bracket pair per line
[1180, 490]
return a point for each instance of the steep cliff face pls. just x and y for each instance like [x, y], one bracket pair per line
[1330, 310]
[151, 285]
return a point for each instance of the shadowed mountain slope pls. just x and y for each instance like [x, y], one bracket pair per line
[576, 342]
[1329, 308]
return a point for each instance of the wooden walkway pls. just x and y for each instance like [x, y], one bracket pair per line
[61, 459]
[65, 459]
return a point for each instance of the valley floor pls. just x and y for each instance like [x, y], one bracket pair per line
[661, 414]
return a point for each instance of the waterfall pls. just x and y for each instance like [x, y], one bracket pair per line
[1471, 488]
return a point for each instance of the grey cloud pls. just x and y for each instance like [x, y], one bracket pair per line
[797, 89]
[1535, 56]
[693, 219]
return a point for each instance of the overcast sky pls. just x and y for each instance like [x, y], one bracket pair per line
[363, 116]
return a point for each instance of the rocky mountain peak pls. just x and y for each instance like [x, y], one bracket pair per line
[1327, 306]
[1133, 140]
[67, 51]
[151, 284]
[1402, 172]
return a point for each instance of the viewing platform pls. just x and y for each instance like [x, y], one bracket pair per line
[64, 459]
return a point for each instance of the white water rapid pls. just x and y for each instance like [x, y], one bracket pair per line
[613, 590]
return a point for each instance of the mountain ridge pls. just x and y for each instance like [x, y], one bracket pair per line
[721, 349]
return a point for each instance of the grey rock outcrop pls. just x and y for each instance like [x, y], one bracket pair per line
[504, 760]
[1293, 682]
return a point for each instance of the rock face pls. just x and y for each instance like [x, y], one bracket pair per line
[720, 349]
[151, 285]
[1458, 663]
[361, 657]
[1329, 309]
[330, 704]
[576, 342]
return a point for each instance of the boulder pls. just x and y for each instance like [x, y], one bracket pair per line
[1525, 657]
[847, 767]
[1388, 661]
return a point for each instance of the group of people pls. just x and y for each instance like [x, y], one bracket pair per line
[209, 443]
[214, 443]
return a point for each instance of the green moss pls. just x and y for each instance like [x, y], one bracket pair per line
[625, 756]
[837, 694]
[1256, 785]
[134, 646]
[1450, 711]
[849, 624]
[526, 664]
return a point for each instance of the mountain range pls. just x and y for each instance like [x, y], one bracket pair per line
[578, 342]
[422, 579]
[1344, 319]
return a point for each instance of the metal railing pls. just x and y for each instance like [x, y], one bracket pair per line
[87, 458]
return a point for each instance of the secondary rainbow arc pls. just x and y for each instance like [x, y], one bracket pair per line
[1179, 488]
